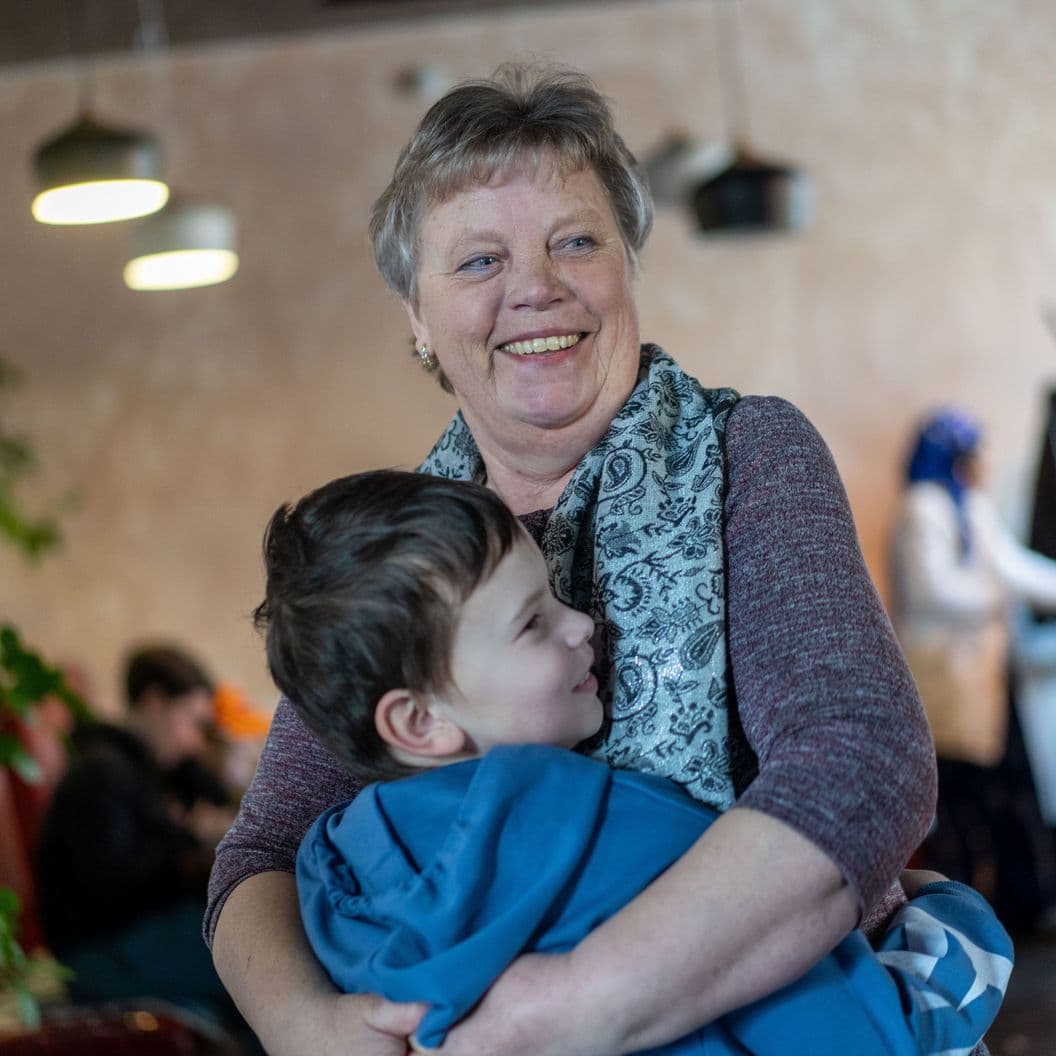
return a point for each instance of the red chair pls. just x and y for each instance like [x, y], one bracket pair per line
[147, 1029]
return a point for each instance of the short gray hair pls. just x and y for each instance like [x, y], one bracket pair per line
[481, 127]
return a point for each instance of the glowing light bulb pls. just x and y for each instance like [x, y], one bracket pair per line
[99, 201]
[180, 269]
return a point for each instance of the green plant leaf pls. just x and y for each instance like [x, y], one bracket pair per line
[10, 746]
[26, 679]
[27, 768]
[10, 903]
[33, 535]
[28, 1007]
[13, 753]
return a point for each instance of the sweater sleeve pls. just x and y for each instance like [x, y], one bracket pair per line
[822, 689]
[296, 780]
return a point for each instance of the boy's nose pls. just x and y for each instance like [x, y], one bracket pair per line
[580, 627]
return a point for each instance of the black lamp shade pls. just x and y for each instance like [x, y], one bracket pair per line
[752, 195]
[88, 151]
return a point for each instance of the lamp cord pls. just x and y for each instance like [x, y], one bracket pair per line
[733, 83]
[75, 28]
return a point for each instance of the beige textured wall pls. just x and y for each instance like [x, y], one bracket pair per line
[928, 128]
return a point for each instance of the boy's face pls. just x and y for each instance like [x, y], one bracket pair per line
[521, 661]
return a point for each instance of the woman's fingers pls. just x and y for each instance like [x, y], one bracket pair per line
[532, 1009]
[388, 1017]
[422, 1048]
[913, 880]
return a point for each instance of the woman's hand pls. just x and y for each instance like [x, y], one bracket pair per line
[535, 1008]
[371, 1026]
[913, 880]
[265, 962]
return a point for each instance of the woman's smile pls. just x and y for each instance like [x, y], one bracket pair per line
[534, 346]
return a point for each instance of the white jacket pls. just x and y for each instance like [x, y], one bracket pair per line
[952, 615]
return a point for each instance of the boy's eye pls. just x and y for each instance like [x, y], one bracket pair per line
[532, 622]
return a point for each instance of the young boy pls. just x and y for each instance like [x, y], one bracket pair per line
[410, 621]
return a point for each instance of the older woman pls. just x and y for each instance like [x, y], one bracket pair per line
[742, 649]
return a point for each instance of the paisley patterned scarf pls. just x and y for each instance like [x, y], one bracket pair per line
[636, 541]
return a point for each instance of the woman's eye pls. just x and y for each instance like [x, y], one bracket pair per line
[485, 260]
[580, 242]
[532, 622]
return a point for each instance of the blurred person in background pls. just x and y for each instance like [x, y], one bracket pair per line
[128, 840]
[957, 571]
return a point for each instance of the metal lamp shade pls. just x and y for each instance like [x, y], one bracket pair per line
[753, 195]
[679, 164]
[93, 174]
[182, 247]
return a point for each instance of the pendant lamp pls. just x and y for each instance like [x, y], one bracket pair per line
[679, 164]
[186, 245]
[753, 193]
[91, 173]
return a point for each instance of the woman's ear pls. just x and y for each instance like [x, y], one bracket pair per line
[418, 327]
[413, 725]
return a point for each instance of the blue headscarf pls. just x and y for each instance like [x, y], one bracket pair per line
[949, 434]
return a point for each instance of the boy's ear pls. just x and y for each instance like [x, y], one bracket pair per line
[412, 724]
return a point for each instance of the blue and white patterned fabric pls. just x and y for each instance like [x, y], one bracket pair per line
[951, 978]
[425, 889]
[636, 541]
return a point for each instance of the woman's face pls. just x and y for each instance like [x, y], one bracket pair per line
[970, 469]
[524, 296]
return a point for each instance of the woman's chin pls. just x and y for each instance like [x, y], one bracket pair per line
[546, 411]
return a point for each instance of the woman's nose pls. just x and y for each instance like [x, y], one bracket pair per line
[534, 283]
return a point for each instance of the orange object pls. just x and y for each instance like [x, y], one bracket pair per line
[235, 714]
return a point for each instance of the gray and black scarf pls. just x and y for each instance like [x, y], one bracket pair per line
[636, 541]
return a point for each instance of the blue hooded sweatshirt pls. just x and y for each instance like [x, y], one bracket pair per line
[427, 888]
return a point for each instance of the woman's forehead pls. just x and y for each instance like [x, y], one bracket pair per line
[496, 171]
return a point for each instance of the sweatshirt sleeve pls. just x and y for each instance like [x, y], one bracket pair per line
[296, 780]
[822, 689]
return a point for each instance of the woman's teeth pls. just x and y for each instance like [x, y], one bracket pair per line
[540, 344]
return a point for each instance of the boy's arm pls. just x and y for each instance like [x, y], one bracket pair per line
[950, 959]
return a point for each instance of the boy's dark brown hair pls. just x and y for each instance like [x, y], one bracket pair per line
[365, 580]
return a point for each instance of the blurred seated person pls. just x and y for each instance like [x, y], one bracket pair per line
[121, 870]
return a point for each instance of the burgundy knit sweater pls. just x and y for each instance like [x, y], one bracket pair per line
[820, 685]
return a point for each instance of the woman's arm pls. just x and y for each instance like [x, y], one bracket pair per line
[253, 919]
[824, 693]
[295, 781]
[845, 789]
[1028, 575]
[264, 960]
[701, 940]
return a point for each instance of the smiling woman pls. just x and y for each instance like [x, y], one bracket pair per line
[741, 648]
[524, 297]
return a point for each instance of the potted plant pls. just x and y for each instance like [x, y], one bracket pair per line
[26, 681]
